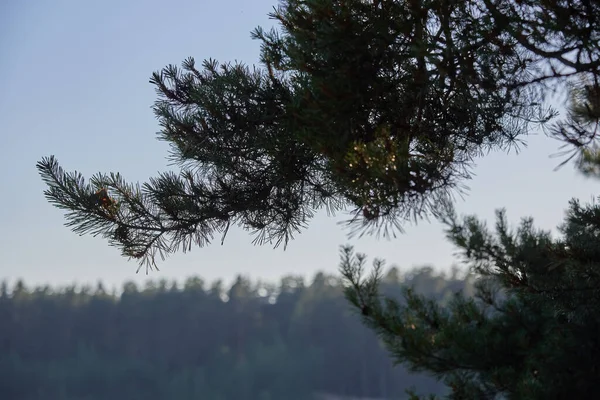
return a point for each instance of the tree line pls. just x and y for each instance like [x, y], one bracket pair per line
[252, 340]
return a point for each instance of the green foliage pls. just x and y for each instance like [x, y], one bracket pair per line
[382, 107]
[581, 127]
[530, 331]
[377, 107]
[284, 341]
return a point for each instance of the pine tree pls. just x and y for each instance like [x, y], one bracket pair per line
[380, 107]
[375, 107]
[531, 330]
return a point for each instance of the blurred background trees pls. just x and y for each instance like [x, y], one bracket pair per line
[252, 340]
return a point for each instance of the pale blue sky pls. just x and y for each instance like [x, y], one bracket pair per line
[74, 78]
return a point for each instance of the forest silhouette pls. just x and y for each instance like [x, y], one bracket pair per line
[293, 340]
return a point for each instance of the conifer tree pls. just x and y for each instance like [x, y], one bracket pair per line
[531, 330]
[380, 107]
[375, 107]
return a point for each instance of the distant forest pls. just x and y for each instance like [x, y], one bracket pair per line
[294, 340]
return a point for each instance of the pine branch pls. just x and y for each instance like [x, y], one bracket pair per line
[376, 109]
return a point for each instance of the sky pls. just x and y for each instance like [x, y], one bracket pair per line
[74, 84]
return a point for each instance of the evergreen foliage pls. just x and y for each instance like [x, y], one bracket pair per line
[530, 331]
[377, 107]
[381, 107]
